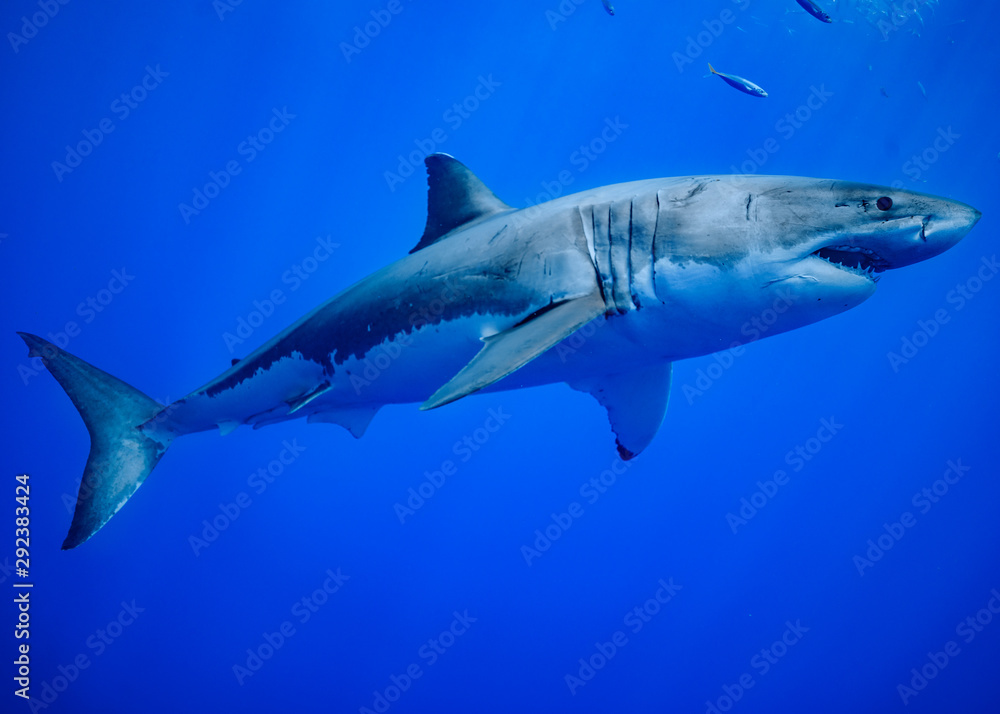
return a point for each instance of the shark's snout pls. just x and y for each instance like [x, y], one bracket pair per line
[952, 225]
[939, 230]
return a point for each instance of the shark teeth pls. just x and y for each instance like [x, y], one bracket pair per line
[854, 259]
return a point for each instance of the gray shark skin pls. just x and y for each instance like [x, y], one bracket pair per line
[602, 289]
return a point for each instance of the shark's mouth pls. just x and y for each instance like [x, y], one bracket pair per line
[854, 259]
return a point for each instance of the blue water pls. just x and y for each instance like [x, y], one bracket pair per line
[147, 618]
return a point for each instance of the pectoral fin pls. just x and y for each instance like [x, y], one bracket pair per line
[511, 349]
[636, 402]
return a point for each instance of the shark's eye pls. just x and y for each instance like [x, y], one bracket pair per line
[884, 203]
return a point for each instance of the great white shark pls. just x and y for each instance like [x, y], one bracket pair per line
[603, 289]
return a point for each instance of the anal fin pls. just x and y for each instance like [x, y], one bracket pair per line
[511, 349]
[636, 402]
[355, 420]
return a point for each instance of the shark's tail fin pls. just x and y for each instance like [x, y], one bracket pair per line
[121, 455]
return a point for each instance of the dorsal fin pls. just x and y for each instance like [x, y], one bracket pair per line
[455, 196]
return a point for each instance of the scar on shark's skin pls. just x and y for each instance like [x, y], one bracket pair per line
[668, 268]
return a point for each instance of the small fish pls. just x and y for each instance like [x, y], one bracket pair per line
[922, 90]
[608, 6]
[814, 10]
[744, 85]
[884, 93]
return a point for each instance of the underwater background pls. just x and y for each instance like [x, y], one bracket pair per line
[773, 550]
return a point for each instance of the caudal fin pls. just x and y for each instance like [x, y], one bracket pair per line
[121, 455]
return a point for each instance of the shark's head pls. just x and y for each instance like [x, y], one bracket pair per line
[752, 240]
[844, 234]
